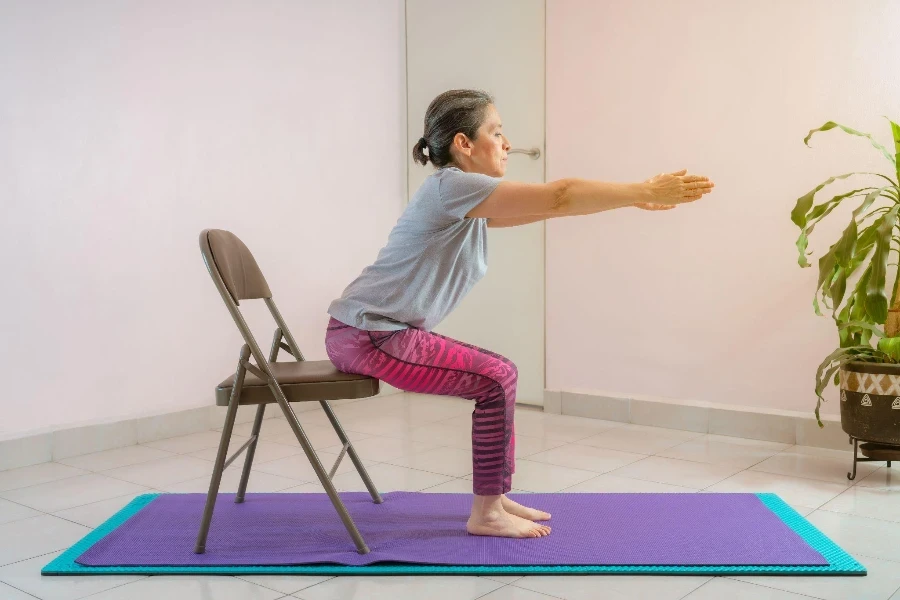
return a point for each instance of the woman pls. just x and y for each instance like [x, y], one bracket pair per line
[381, 326]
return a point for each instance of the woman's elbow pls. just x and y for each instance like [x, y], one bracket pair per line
[561, 196]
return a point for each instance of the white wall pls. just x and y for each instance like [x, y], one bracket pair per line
[128, 127]
[705, 302]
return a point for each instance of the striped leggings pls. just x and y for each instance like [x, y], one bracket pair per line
[415, 360]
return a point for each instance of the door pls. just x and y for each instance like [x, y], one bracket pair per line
[497, 46]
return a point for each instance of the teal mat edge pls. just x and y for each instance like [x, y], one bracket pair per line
[840, 562]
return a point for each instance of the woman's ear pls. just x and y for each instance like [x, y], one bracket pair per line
[462, 144]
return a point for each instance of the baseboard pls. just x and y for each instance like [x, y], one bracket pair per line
[788, 427]
[35, 447]
[23, 450]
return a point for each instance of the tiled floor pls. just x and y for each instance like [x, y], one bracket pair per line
[422, 443]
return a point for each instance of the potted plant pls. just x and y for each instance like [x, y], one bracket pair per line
[858, 283]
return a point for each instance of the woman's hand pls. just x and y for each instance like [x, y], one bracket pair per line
[650, 206]
[670, 189]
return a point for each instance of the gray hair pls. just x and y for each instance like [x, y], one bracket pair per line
[455, 111]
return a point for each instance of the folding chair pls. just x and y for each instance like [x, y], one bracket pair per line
[237, 277]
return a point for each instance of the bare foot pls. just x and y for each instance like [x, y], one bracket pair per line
[499, 523]
[514, 508]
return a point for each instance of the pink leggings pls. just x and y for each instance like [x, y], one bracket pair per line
[415, 360]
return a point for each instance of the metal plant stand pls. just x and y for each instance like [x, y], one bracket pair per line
[874, 452]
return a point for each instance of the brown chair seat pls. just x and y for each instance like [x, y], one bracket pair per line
[301, 381]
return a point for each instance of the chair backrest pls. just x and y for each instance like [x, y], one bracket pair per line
[225, 253]
[237, 277]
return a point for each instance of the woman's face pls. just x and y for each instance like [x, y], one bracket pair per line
[485, 154]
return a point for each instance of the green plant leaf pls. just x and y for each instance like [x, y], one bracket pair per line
[890, 346]
[802, 243]
[832, 125]
[805, 202]
[839, 287]
[821, 211]
[818, 213]
[846, 246]
[895, 131]
[876, 300]
[862, 325]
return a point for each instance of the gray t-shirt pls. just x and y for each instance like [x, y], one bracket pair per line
[433, 257]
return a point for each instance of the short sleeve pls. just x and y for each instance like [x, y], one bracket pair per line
[460, 192]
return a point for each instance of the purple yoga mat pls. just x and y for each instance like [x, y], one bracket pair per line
[420, 528]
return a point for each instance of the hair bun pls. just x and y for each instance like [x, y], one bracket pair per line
[423, 142]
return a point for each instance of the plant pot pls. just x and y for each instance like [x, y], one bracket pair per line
[870, 402]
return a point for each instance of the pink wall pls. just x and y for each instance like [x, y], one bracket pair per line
[128, 127]
[705, 302]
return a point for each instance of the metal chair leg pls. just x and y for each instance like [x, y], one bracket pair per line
[321, 473]
[360, 468]
[222, 454]
[251, 450]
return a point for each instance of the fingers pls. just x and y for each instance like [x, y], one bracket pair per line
[679, 173]
[700, 185]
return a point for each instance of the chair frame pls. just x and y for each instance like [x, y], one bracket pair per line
[263, 371]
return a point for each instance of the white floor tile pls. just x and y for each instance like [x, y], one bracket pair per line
[717, 452]
[320, 437]
[185, 444]
[384, 449]
[425, 411]
[868, 502]
[163, 472]
[860, 536]
[259, 482]
[207, 588]
[527, 445]
[444, 461]
[732, 589]
[36, 536]
[639, 439]
[540, 477]
[504, 579]
[454, 486]
[72, 492]
[389, 425]
[389, 478]
[560, 427]
[885, 478]
[269, 428]
[677, 472]
[806, 466]
[286, 584]
[265, 451]
[623, 485]
[588, 458]
[26, 576]
[36, 475]
[118, 457]
[442, 434]
[298, 466]
[401, 588]
[805, 492]
[774, 446]
[612, 587]
[96, 513]
[515, 593]
[10, 511]
[10, 593]
[882, 580]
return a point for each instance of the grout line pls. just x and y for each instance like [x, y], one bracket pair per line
[705, 583]
[18, 589]
[769, 587]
